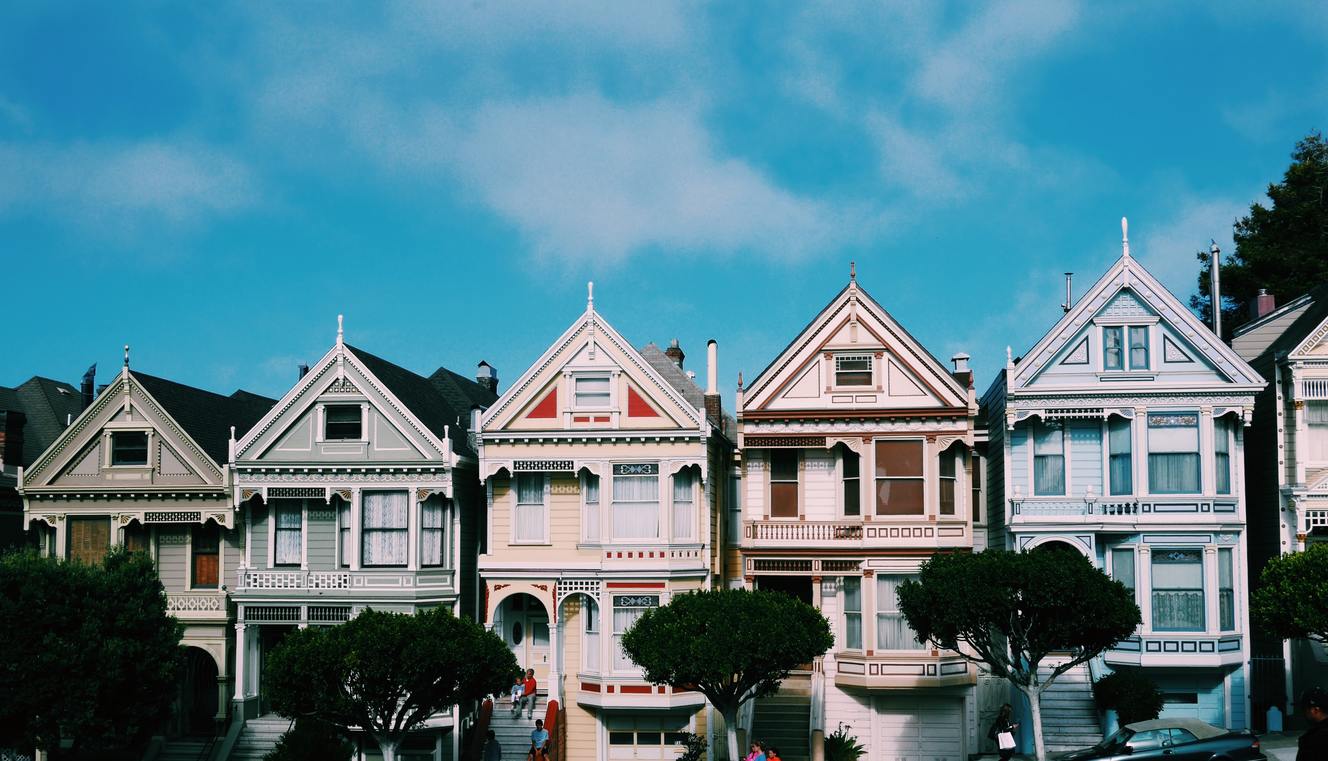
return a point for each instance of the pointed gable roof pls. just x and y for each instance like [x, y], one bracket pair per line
[1128, 274]
[854, 302]
[207, 417]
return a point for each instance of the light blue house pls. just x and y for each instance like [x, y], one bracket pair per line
[1119, 435]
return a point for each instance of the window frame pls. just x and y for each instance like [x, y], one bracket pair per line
[1114, 489]
[796, 482]
[849, 627]
[850, 485]
[576, 394]
[1146, 347]
[545, 480]
[951, 454]
[1159, 553]
[894, 611]
[114, 449]
[195, 554]
[1119, 349]
[591, 511]
[1197, 453]
[328, 422]
[838, 370]
[277, 529]
[443, 531]
[877, 478]
[650, 470]
[367, 531]
[1033, 428]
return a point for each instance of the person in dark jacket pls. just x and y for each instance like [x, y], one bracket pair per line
[1003, 725]
[1314, 743]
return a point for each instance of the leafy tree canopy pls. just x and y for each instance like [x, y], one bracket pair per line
[731, 645]
[386, 672]
[89, 651]
[1292, 599]
[1008, 610]
[1282, 247]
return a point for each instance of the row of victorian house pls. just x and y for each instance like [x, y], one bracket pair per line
[604, 480]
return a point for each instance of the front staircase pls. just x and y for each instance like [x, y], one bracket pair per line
[513, 732]
[185, 749]
[782, 720]
[258, 737]
[1069, 715]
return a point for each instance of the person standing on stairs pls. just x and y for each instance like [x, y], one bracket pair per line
[492, 750]
[757, 754]
[1002, 731]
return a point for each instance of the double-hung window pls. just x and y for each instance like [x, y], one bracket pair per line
[975, 482]
[852, 588]
[892, 630]
[1173, 453]
[1113, 348]
[345, 549]
[288, 532]
[853, 370]
[590, 391]
[1122, 567]
[206, 546]
[342, 422]
[948, 478]
[1119, 456]
[1139, 347]
[434, 549]
[129, 448]
[635, 508]
[627, 609]
[590, 612]
[590, 506]
[1222, 436]
[1178, 590]
[899, 484]
[384, 528]
[530, 507]
[784, 483]
[684, 506]
[1048, 459]
[852, 465]
[1226, 589]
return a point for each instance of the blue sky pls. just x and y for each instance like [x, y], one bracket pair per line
[213, 183]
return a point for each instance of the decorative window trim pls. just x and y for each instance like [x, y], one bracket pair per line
[150, 438]
[610, 393]
[842, 359]
[925, 477]
[324, 422]
[547, 479]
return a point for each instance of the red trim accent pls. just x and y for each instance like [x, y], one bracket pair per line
[635, 585]
[609, 688]
[589, 687]
[635, 689]
[547, 407]
[598, 419]
[637, 406]
[581, 419]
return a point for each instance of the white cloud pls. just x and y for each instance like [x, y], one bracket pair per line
[123, 186]
[1168, 250]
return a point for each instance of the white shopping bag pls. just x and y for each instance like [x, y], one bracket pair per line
[1005, 740]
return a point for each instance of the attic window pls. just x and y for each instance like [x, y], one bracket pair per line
[591, 392]
[129, 448]
[342, 422]
[853, 370]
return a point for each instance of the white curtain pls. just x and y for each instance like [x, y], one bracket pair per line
[1178, 590]
[1226, 591]
[1119, 446]
[852, 612]
[530, 507]
[384, 527]
[1048, 459]
[1316, 416]
[590, 612]
[684, 506]
[592, 392]
[623, 618]
[892, 631]
[636, 507]
[343, 533]
[590, 505]
[289, 515]
[1222, 436]
[1173, 454]
[433, 532]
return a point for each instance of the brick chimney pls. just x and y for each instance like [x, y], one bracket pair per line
[674, 352]
[11, 437]
[1262, 304]
[487, 377]
[961, 371]
[89, 380]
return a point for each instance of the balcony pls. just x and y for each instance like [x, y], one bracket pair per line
[198, 606]
[604, 691]
[385, 582]
[1177, 649]
[856, 534]
[651, 557]
[902, 670]
[1117, 511]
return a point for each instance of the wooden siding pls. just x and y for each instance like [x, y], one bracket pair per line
[582, 724]
[1085, 456]
[258, 518]
[320, 521]
[173, 557]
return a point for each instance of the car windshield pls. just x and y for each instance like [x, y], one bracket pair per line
[1117, 739]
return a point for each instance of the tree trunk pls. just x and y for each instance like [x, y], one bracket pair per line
[387, 746]
[1034, 695]
[731, 732]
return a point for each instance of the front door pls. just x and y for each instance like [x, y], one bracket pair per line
[526, 630]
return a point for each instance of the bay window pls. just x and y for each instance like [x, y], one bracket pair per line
[1048, 458]
[590, 506]
[892, 630]
[899, 484]
[1173, 453]
[852, 588]
[1226, 590]
[344, 545]
[635, 508]
[784, 483]
[530, 507]
[627, 610]
[288, 534]
[434, 547]
[1222, 436]
[383, 528]
[1122, 567]
[1120, 454]
[206, 551]
[948, 479]
[1178, 590]
[590, 612]
[852, 465]
[1316, 420]
[684, 506]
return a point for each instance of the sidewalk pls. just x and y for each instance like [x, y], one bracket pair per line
[1278, 746]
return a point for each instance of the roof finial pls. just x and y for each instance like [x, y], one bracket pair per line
[853, 271]
[1125, 237]
[340, 332]
[1009, 356]
[590, 295]
[126, 356]
[740, 379]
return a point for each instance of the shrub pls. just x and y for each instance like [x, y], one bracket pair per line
[694, 747]
[841, 746]
[1132, 695]
[311, 740]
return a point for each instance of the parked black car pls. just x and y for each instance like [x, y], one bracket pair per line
[1172, 740]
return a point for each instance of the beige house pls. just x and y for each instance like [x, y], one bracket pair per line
[144, 467]
[608, 473]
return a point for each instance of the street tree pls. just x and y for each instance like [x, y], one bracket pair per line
[90, 654]
[1283, 246]
[386, 673]
[1008, 610]
[1292, 599]
[731, 645]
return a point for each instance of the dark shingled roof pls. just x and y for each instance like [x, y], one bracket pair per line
[441, 400]
[675, 376]
[205, 416]
[46, 406]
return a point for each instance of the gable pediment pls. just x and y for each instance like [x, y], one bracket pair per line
[1315, 344]
[591, 379]
[854, 357]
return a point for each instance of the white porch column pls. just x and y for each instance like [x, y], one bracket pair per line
[1207, 454]
[241, 668]
[555, 659]
[1140, 451]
